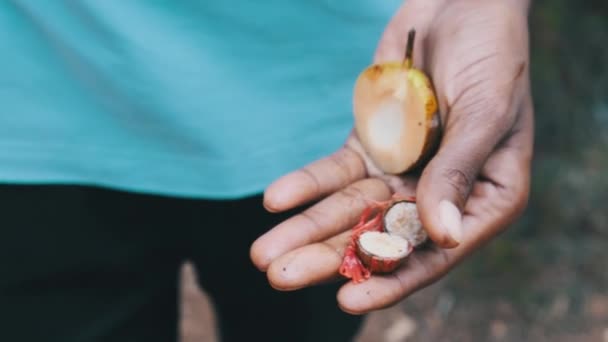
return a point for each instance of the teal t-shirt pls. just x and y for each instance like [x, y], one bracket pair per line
[189, 98]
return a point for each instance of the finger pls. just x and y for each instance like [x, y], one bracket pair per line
[476, 124]
[321, 221]
[446, 182]
[317, 179]
[422, 268]
[309, 265]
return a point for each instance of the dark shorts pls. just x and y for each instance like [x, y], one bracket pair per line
[89, 264]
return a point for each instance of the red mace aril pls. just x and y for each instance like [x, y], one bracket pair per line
[384, 237]
[395, 112]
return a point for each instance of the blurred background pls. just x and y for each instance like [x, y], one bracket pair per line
[545, 279]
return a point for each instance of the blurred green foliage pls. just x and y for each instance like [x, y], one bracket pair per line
[569, 51]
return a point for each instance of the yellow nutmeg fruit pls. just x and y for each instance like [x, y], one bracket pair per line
[396, 114]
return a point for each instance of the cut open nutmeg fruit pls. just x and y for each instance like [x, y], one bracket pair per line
[387, 233]
[395, 112]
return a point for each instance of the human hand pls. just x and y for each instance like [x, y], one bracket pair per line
[476, 53]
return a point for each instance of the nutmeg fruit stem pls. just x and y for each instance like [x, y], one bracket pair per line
[408, 60]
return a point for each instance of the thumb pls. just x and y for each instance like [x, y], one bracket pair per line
[447, 180]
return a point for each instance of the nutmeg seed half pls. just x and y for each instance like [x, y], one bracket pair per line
[382, 252]
[401, 219]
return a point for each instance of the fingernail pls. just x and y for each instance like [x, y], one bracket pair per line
[451, 219]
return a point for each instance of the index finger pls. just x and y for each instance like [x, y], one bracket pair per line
[317, 179]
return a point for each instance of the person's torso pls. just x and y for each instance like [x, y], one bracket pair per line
[220, 96]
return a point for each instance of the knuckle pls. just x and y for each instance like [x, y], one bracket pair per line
[312, 216]
[351, 194]
[312, 178]
[339, 253]
[403, 289]
[338, 160]
[460, 182]
[341, 160]
[359, 156]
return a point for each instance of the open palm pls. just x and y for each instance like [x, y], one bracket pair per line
[477, 184]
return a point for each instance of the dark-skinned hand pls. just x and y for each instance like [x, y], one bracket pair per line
[474, 187]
